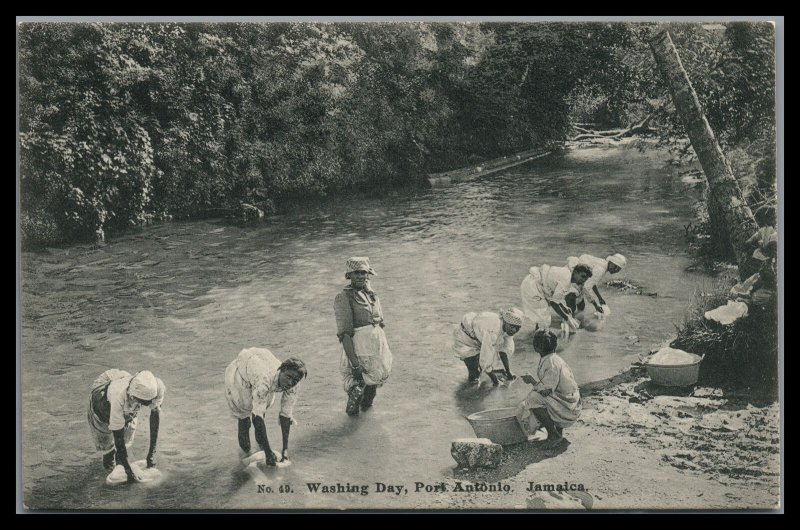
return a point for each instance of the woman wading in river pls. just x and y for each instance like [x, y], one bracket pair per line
[366, 359]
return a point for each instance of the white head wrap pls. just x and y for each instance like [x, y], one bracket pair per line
[512, 316]
[144, 386]
[618, 260]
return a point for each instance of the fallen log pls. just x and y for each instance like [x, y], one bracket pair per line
[615, 134]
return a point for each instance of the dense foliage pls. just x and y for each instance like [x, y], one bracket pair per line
[124, 123]
[732, 69]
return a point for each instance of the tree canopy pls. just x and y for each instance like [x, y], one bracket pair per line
[121, 124]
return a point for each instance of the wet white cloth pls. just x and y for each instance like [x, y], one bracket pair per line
[251, 382]
[673, 357]
[543, 285]
[374, 356]
[728, 313]
[482, 334]
[145, 474]
[259, 457]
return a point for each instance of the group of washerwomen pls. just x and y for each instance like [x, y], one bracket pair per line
[484, 341]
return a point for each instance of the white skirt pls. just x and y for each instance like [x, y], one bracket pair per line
[102, 436]
[373, 354]
[564, 410]
[237, 392]
[463, 345]
[534, 303]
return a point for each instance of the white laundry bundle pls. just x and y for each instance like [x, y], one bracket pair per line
[146, 474]
[672, 357]
[259, 456]
[728, 313]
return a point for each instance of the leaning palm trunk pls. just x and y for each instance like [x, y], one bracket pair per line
[729, 214]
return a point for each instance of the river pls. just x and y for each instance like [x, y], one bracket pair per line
[181, 299]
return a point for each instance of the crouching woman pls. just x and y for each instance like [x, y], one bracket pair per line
[555, 401]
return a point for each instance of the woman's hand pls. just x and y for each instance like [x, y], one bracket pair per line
[358, 374]
[528, 378]
[285, 455]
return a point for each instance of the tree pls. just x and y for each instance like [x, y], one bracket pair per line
[730, 215]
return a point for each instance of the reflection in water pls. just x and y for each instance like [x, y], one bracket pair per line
[182, 299]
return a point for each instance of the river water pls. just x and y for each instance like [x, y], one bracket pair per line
[181, 299]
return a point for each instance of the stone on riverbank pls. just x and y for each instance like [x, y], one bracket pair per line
[476, 452]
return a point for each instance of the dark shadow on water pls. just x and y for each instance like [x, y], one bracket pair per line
[470, 398]
[84, 488]
[192, 489]
[515, 458]
[59, 493]
[238, 479]
[325, 437]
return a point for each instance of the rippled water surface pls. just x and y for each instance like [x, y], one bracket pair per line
[181, 299]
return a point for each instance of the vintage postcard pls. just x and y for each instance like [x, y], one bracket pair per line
[401, 264]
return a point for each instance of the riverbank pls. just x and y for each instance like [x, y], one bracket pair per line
[38, 234]
[641, 446]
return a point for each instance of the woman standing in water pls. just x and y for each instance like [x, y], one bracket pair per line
[366, 359]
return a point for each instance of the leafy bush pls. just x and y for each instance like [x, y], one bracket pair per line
[123, 123]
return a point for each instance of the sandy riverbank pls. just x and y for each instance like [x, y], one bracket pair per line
[639, 446]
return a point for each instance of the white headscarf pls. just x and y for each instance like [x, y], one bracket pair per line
[512, 316]
[144, 386]
[618, 260]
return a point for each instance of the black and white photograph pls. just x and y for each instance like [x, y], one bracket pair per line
[400, 264]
